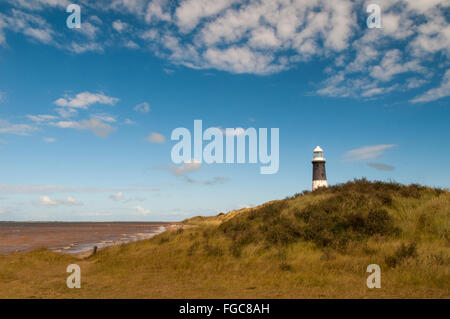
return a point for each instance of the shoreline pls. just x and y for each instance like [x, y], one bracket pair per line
[169, 228]
[75, 238]
[93, 250]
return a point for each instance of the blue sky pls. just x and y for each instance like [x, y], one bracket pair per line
[86, 114]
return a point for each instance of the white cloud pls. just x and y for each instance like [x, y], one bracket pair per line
[40, 4]
[28, 24]
[142, 107]
[242, 60]
[156, 138]
[132, 6]
[253, 36]
[392, 64]
[213, 181]
[69, 201]
[436, 93]
[129, 122]
[424, 5]
[66, 112]
[189, 13]
[120, 26]
[42, 118]
[370, 91]
[36, 189]
[367, 152]
[433, 35]
[232, 132]
[184, 168]
[151, 34]
[157, 11]
[42, 35]
[142, 211]
[80, 47]
[96, 20]
[131, 45]
[49, 139]
[413, 83]
[17, 129]
[99, 128]
[396, 25]
[72, 201]
[89, 30]
[119, 197]
[376, 55]
[263, 36]
[84, 99]
[104, 118]
[116, 197]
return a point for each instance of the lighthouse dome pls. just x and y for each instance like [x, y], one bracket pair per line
[318, 149]
[318, 154]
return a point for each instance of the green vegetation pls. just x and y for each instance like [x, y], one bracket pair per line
[312, 245]
[354, 211]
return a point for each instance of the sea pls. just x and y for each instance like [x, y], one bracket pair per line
[73, 237]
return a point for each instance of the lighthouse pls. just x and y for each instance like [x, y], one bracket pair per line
[319, 175]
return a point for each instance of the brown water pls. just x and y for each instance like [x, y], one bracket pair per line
[72, 237]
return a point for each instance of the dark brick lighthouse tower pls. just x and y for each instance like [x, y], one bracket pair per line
[319, 175]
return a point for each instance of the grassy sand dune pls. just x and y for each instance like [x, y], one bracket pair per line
[312, 245]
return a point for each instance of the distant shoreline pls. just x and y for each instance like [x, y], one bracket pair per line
[74, 237]
[83, 222]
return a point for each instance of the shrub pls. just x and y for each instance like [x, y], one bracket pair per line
[368, 250]
[208, 232]
[236, 249]
[424, 224]
[401, 253]
[271, 210]
[328, 254]
[164, 238]
[439, 259]
[379, 222]
[353, 211]
[235, 226]
[281, 232]
[213, 250]
[284, 266]
[192, 248]
[340, 218]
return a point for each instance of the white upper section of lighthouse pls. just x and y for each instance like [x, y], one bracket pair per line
[318, 155]
[318, 149]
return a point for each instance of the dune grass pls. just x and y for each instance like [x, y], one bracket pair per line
[311, 245]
